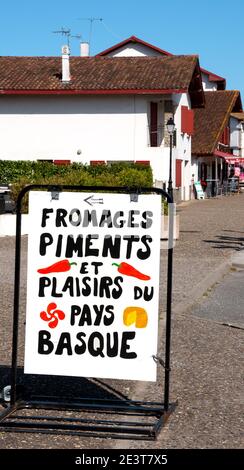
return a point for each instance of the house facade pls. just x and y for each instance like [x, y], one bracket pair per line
[100, 109]
[222, 122]
[114, 107]
[183, 114]
[217, 141]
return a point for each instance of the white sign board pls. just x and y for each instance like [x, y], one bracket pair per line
[199, 190]
[93, 285]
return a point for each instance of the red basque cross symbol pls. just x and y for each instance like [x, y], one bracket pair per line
[52, 315]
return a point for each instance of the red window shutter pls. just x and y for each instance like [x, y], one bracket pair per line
[184, 110]
[61, 162]
[178, 166]
[187, 120]
[190, 122]
[225, 137]
[222, 138]
[97, 162]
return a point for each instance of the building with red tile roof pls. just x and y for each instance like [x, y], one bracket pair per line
[100, 109]
[136, 46]
[216, 144]
[218, 138]
[176, 74]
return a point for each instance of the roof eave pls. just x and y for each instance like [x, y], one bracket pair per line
[165, 91]
[195, 89]
[202, 154]
[135, 40]
[213, 77]
[235, 102]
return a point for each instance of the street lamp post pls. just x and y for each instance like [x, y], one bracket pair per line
[170, 128]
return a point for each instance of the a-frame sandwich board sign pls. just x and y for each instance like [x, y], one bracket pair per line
[92, 306]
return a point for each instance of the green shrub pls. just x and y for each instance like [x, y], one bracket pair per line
[165, 208]
[23, 173]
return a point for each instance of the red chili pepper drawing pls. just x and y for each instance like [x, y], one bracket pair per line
[128, 270]
[59, 267]
[52, 315]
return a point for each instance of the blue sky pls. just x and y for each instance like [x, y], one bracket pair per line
[213, 29]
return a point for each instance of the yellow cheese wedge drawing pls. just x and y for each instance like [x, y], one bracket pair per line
[137, 315]
[129, 316]
[141, 319]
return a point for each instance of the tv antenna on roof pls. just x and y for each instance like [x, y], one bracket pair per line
[92, 19]
[64, 32]
[76, 36]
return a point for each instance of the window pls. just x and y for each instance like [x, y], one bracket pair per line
[153, 125]
[187, 120]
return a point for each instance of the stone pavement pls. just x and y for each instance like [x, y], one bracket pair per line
[224, 303]
[211, 232]
[206, 356]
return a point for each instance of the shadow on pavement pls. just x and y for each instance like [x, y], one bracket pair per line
[233, 231]
[190, 231]
[58, 387]
[227, 242]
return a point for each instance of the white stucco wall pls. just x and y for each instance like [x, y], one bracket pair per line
[235, 136]
[107, 128]
[242, 139]
[207, 85]
[57, 127]
[194, 168]
[103, 128]
[183, 150]
[134, 50]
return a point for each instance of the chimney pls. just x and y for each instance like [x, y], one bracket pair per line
[65, 64]
[84, 49]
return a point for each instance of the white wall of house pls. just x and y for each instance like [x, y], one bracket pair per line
[134, 50]
[207, 85]
[86, 128]
[235, 136]
[107, 128]
[183, 149]
[45, 127]
[242, 139]
[194, 169]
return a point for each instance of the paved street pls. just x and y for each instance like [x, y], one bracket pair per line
[206, 355]
[210, 232]
[224, 303]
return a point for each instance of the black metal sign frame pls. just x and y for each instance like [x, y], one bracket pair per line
[152, 415]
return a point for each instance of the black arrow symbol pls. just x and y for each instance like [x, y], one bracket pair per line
[92, 201]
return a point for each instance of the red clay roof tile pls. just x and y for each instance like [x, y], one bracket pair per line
[210, 121]
[97, 73]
